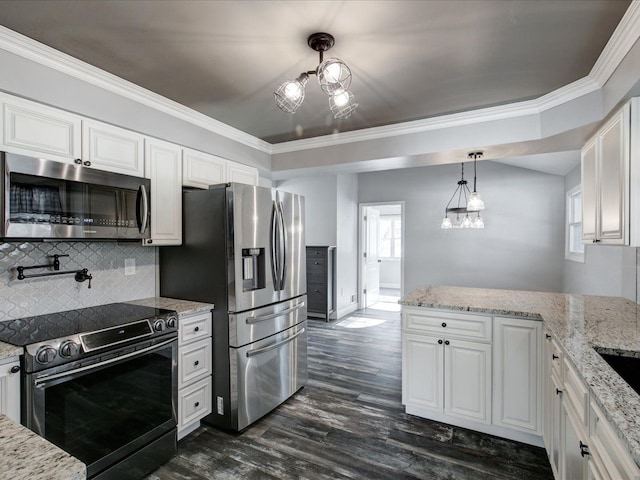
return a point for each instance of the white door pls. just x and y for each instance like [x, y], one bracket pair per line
[422, 372]
[467, 376]
[372, 262]
[516, 376]
[164, 168]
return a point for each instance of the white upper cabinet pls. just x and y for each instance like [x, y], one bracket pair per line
[163, 165]
[30, 128]
[200, 169]
[112, 148]
[611, 197]
[237, 172]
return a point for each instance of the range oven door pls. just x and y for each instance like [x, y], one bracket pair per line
[106, 410]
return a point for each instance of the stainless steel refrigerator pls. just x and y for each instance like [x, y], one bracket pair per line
[244, 251]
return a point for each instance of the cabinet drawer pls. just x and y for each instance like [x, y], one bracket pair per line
[576, 394]
[317, 262]
[447, 324]
[194, 402]
[316, 253]
[194, 362]
[194, 327]
[554, 354]
[609, 453]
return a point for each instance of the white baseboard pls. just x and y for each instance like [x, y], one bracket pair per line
[344, 311]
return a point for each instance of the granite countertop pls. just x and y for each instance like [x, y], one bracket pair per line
[8, 351]
[183, 307]
[27, 456]
[579, 323]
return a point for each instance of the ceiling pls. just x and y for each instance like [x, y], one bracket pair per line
[410, 59]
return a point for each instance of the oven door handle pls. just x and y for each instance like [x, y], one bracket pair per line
[262, 318]
[47, 378]
[253, 353]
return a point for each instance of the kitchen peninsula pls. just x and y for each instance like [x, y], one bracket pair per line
[570, 383]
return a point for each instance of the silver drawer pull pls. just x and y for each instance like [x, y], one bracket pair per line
[253, 353]
[262, 318]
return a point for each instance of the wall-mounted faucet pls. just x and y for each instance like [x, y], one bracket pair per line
[80, 275]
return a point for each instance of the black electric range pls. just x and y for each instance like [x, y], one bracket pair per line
[61, 337]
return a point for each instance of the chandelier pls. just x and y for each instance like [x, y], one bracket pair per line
[334, 78]
[467, 202]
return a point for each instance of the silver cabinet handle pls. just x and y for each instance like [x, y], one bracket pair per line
[253, 353]
[262, 318]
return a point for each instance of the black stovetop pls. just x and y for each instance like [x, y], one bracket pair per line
[25, 331]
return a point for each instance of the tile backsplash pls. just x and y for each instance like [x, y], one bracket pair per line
[103, 260]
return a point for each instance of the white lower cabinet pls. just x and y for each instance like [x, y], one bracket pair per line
[516, 374]
[194, 371]
[163, 165]
[575, 446]
[10, 388]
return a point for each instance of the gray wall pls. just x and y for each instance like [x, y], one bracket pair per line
[331, 203]
[520, 248]
[607, 269]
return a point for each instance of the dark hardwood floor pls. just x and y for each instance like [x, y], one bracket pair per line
[348, 423]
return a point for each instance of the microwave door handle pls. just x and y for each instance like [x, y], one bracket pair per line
[143, 217]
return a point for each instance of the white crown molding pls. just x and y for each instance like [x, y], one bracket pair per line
[26, 47]
[558, 97]
[623, 39]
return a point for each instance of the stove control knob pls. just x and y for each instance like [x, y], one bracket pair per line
[45, 354]
[69, 349]
[159, 325]
[172, 322]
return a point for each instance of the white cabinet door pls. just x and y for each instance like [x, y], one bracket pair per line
[589, 192]
[555, 455]
[10, 388]
[37, 130]
[422, 372]
[613, 174]
[200, 170]
[467, 380]
[163, 165]
[574, 464]
[516, 391]
[237, 172]
[113, 149]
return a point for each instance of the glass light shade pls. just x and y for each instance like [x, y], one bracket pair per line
[342, 104]
[478, 222]
[446, 223]
[466, 222]
[475, 203]
[333, 75]
[290, 94]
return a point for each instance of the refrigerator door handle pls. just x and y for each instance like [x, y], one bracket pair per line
[274, 246]
[283, 247]
[262, 318]
[253, 353]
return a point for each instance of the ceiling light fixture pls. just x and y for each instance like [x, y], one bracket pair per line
[334, 78]
[467, 202]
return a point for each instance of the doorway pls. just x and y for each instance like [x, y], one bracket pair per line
[381, 258]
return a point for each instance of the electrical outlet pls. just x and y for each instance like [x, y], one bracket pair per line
[129, 266]
[220, 405]
[353, 298]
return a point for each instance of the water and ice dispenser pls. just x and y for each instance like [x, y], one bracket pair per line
[253, 271]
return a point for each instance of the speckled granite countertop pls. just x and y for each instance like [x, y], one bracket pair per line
[578, 322]
[183, 307]
[8, 351]
[27, 456]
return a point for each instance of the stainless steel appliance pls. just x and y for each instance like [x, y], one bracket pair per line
[44, 199]
[101, 383]
[244, 251]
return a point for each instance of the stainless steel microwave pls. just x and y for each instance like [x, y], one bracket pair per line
[43, 199]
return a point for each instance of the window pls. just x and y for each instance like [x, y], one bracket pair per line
[390, 237]
[574, 247]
